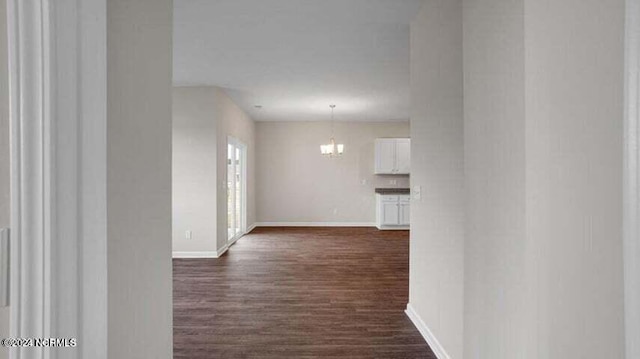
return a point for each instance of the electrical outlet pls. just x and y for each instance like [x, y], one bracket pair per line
[364, 182]
[187, 234]
[393, 182]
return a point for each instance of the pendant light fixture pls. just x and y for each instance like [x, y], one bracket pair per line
[332, 149]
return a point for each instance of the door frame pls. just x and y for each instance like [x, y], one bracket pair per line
[243, 204]
[57, 104]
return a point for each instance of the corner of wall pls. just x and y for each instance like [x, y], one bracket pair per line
[437, 231]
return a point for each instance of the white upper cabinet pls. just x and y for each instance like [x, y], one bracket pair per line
[403, 156]
[385, 155]
[393, 156]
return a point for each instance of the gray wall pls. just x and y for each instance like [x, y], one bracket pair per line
[437, 221]
[139, 53]
[4, 153]
[292, 173]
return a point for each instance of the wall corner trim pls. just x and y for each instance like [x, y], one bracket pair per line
[435, 345]
[223, 250]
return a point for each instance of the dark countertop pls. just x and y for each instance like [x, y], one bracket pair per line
[393, 190]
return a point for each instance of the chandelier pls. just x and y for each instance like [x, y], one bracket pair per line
[332, 149]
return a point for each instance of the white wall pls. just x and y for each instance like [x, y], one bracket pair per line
[494, 125]
[543, 112]
[203, 119]
[4, 153]
[234, 122]
[574, 56]
[631, 183]
[194, 169]
[437, 221]
[139, 53]
[298, 184]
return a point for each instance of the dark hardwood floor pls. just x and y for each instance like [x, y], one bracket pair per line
[298, 293]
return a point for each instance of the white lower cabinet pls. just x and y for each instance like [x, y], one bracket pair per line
[405, 213]
[392, 211]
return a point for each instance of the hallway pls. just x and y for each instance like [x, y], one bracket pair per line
[298, 293]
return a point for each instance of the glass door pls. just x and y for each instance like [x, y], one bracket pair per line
[236, 188]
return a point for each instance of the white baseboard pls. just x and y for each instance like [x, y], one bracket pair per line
[211, 254]
[435, 345]
[204, 254]
[393, 228]
[222, 250]
[201, 254]
[315, 224]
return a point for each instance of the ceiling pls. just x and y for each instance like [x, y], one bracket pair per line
[296, 57]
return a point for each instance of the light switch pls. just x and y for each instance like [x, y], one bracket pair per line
[187, 234]
[417, 193]
[393, 182]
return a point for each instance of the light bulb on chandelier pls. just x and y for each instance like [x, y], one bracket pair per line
[332, 149]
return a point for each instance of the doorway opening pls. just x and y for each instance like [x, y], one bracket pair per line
[236, 188]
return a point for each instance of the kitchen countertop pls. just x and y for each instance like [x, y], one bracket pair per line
[393, 191]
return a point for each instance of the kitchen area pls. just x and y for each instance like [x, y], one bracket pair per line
[393, 204]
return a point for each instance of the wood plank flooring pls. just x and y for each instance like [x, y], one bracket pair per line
[298, 293]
